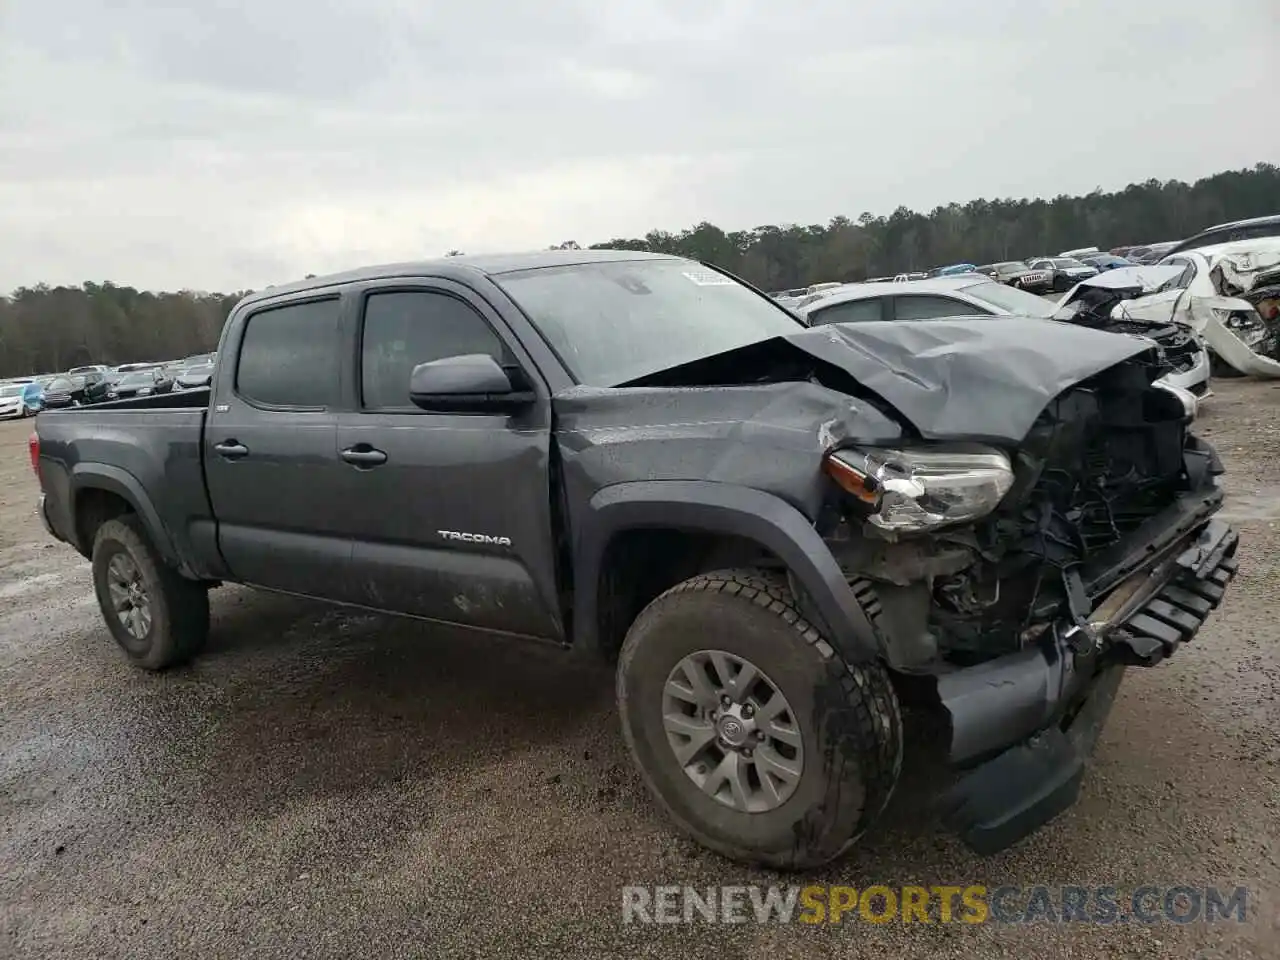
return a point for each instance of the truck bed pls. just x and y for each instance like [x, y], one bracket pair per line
[150, 451]
[178, 400]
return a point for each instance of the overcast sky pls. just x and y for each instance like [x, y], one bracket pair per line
[223, 148]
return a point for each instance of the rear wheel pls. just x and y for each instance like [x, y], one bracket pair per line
[760, 741]
[159, 618]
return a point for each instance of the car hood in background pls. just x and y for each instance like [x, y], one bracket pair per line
[1130, 282]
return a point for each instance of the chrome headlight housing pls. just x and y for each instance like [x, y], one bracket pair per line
[921, 489]
[1247, 326]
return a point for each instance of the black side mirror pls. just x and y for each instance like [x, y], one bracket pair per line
[471, 383]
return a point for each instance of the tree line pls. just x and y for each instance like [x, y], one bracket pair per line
[45, 329]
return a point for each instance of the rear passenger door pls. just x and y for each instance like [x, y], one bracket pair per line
[452, 518]
[271, 459]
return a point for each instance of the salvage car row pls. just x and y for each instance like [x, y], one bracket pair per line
[1057, 274]
[1216, 308]
[99, 383]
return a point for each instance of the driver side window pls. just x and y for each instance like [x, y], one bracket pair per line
[404, 328]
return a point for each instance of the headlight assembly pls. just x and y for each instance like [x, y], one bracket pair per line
[922, 489]
[1248, 326]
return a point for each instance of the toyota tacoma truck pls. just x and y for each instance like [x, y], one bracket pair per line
[774, 531]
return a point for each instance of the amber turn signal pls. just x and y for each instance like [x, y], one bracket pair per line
[852, 481]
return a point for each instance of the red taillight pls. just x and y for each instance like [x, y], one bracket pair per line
[33, 447]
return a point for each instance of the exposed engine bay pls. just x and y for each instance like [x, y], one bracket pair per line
[1102, 458]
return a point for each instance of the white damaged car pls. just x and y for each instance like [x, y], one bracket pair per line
[1231, 298]
[1229, 295]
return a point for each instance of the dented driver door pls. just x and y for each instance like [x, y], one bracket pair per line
[449, 512]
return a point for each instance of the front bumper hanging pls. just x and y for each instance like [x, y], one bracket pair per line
[1031, 719]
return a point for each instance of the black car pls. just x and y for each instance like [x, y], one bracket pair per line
[71, 389]
[140, 383]
[61, 392]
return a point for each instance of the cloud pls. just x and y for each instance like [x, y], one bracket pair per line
[226, 146]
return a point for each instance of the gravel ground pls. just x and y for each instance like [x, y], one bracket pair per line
[322, 783]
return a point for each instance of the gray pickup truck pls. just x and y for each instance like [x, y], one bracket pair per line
[775, 531]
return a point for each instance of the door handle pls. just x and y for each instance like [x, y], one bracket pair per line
[231, 449]
[363, 455]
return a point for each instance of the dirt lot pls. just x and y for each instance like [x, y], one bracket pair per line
[327, 784]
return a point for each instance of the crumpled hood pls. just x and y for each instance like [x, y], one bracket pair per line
[1241, 267]
[970, 379]
[1126, 282]
[975, 379]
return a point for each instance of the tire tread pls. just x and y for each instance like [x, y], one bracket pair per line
[875, 712]
[186, 602]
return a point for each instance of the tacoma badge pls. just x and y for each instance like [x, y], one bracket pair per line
[475, 537]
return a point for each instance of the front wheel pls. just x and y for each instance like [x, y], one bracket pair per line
[159, 618]
[760, 741]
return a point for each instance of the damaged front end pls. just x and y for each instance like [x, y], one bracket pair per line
[1242, 323]
[1239, 323]
[1111, 302]
[1101, 554]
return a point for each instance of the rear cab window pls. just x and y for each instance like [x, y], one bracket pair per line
[289, 356]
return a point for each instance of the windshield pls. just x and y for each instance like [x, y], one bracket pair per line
[142, 379]
[11, 390]
[1067, 263]
[1010, 299]
[61, 385]
[618, 321]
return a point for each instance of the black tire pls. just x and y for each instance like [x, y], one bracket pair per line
[849, 719]
[179, 607]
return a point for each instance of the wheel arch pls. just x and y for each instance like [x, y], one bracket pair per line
[101, 492]
[668, 531]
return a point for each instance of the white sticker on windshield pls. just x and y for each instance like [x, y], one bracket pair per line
[708, 278]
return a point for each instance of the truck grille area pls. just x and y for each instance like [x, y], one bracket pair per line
[1103, 458]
